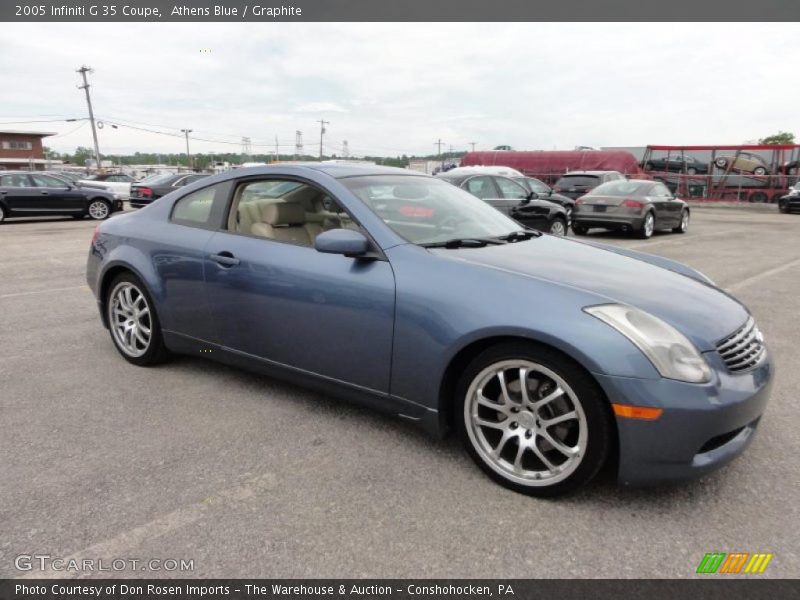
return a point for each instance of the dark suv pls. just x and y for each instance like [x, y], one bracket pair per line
[577, 183]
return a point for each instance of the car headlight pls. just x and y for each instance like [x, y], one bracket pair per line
[671, 353]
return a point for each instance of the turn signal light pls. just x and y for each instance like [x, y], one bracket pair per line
[644, 413]
[633, 204]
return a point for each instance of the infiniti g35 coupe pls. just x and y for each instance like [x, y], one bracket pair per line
[548, 356]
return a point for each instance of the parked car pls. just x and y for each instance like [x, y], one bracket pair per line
[791, 201]
[545, 192]
[147, 190]
[31, 194]
[636, 205]
[675, 163]
[548, 356]
[116, 182]
[576, 183]
[743, 162]
[511, 198]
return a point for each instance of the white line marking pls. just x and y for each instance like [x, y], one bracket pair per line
[119, 544]
[50, 291]
[763, 275]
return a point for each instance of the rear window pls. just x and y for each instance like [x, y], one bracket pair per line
[623, 188]
[569, 181]
[157, 179]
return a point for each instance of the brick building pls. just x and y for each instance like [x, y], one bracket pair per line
[23, 150]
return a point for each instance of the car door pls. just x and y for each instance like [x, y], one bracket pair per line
[533, 213]
[56, 196]
[483, 187]
[273, 296]
[18, 194]
[667, 207]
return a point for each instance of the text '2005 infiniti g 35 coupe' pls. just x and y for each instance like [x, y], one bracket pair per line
[548, 356]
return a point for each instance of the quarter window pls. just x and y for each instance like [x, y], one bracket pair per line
[510, 189]
[481, 187]
[197, 209]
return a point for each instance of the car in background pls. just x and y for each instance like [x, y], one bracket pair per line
[116, 182]
[635, 205]
[743, 162]
[73, 178]
[791, 201]
[31, 194]
[510, 198]
[152, 188]
[548, 356]
[675, 163]
[545, 192]
[575, 184]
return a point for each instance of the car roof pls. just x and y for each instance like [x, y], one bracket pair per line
[485, 170]
[595, 173]
[335, 170]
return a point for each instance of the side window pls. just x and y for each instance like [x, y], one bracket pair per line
[286, 211]
[45, 181]
[510, 189]
[661, 190]
[15, 181]
[197, 209]
[481, 187]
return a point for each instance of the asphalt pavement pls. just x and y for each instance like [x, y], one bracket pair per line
[250, 477]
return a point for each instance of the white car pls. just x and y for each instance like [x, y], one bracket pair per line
[483, 170]
[119, 183]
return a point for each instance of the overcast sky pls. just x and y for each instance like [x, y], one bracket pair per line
[396, 88]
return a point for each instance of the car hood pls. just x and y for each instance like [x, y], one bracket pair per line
[702, 312]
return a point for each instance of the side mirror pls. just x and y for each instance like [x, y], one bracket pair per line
[529, 197]
[342, 241]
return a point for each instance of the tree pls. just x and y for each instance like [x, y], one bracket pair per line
[782, 137]
[82, 154]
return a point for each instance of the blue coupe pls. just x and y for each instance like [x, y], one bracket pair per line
[548, 356]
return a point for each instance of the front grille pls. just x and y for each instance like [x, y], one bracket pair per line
[743, 349]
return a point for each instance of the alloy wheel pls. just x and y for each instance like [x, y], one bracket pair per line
[685, 222]
[557, 227]
[2, 214]
[130, 319]
[649, 225]
[98, 210]
[526, 423]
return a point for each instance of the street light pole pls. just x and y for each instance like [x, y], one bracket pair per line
[186, 133]
[85, 87]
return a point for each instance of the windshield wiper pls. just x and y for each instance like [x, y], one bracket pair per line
[464, 243]
[516, 236]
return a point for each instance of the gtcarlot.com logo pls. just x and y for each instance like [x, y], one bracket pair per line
[735, 562]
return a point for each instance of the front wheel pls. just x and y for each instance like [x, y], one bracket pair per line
[533, 420]
[2, 213]
[558, 227]
[648, 227]
[683, 226]
[691, 171]
[579, 229]
[133, 322]
[99, 210]
[783, 207]
[760, 171]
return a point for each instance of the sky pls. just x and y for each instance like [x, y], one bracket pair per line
[395, 88]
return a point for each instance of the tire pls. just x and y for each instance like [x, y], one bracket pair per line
[534, 458]
[2, 213]
[645, 232]
[124, 305]
[558, 226]
[580, 229]
[684, 224]
[758, 197]
[691, 171]
[783, 207]
[721, 163]
[649, 167]
[99, 210]
[759, 171]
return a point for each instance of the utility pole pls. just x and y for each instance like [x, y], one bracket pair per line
[473, 146]
[438, 143]
[85, 87]
[322, 124]
[298, 144]
[345, 150]
[276, 149]
[186, 133]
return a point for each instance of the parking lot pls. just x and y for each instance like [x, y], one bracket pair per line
[247, 476]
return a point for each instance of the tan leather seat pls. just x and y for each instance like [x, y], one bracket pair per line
[284, 221]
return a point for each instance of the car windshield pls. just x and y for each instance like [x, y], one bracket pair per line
[537, 186]
[424, 210]
[622, 188]
[569, 181]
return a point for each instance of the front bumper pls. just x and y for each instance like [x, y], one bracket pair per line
[703, 426]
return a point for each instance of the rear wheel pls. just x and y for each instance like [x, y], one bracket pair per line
[532, 419]
[783, 207]
[683, 226]
[99, 210]
[758, 197]
[691, 171]
[558, 226]
[2, 213]
[580, 229]
[759, 171]
[721, 163]
[648, 226]
[133, 322]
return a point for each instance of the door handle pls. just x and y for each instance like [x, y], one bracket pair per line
[45, 193]
[3, 192]
[225, 259]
